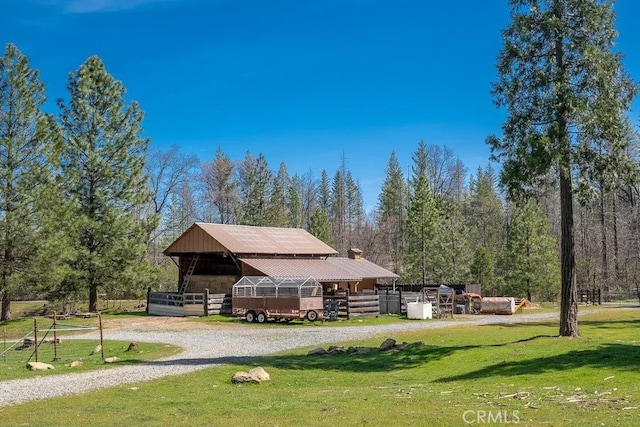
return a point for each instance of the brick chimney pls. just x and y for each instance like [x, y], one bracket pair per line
[354, 253]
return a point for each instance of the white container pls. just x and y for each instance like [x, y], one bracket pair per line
[419, 310]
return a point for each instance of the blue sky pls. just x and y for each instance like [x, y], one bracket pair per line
[300, 81]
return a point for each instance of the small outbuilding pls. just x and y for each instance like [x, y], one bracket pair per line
[215, 256]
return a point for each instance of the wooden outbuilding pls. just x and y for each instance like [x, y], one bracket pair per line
[215, 256]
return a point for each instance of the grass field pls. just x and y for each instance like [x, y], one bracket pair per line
[13, 358]
[517, 374]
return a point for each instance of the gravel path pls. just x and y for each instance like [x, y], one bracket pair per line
[204, 348]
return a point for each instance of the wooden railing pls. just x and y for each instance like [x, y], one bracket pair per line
[191, 304]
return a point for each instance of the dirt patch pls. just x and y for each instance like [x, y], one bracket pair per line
[159, 323]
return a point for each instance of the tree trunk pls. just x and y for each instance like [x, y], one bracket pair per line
[6, 306]
[616, 262]
[93, 298]
[569, 292]
[603, 238]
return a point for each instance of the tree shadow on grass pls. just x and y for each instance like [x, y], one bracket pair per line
[616, 356]
[373, 359]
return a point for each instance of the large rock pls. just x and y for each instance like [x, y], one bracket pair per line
[260, 374]
[110, 359]
[255, 375]
[317, 352]
[132, 346]
[244, 377]
[76, 363]
[387, 344]
[97, 349]
[39, 366]
[335, 349]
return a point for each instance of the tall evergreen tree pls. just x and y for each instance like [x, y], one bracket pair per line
[277, 213]
[563, 87]
[324, 193]
[220, 187]
[392, 211]
[339, 209]
[295, 202]
[422, 224]
[103, 167]
[319, 226]
[254, 183]
[25, 150]
[354, 210]
[532, 253]
[485, 212]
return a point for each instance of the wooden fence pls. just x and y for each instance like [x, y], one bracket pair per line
[589, 296]
[187, 304]
[355, 305]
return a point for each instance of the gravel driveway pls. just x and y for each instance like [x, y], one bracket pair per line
[209, 346]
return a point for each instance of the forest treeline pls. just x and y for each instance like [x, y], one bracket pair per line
[87, 206]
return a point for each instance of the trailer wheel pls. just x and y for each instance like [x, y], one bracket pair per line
[312, 315]
[261, 317]
[250, 316]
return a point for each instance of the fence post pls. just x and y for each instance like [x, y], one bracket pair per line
[35, 337]
[146, 309]
[55, 338]
[101, 337]
[206, 302]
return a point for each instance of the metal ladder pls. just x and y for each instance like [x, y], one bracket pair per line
[187, 276]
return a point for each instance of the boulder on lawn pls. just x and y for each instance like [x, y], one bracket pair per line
[76, 363]
[132, 346]
[110, 359]
[39, 366]
[317, 352]
[387, 344]
[260, 374]
[97, 349]
[244, 377]
[255, 376]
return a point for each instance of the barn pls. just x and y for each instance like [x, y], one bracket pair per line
[214, 256]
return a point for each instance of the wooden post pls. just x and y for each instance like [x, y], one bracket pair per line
[35, 336]
[148, 296]
[55, 338]
[101, 337]
[348, 294]
[206, 302]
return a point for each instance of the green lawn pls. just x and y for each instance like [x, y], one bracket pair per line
[13, 358]
[13, 362]
[517, 373]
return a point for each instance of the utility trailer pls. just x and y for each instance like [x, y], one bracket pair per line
[258, 298]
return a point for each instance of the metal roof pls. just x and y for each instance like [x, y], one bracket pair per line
[331, 269]
[244, 239]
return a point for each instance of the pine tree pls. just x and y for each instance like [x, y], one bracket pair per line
[532, 253]
[103, 168]
[392, 211]
[422, 224]
[220, 187]
[483, 269]
[277, 214]
[563, 87]
[295, 197]
[319, 226]
[254, 183]
[25, 150]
